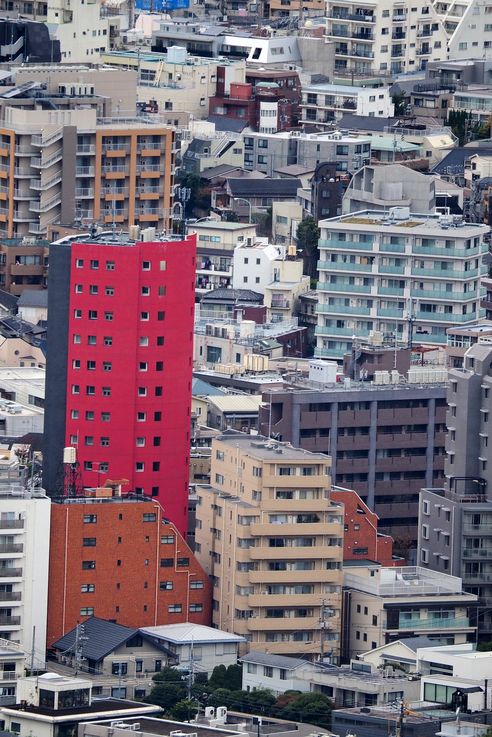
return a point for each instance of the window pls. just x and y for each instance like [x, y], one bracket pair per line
[91, 365]
[86, 611]
[94, 264]
[104, 442]
[88, 565]
[196, 584]
[161, 315]
[106, 391]
[93, 289]
[110, 265]
[149, 517]
[159, 365]
[89, 542]
[142, 366]
[91, 340]
[139, 466]
[183, 562]
[87, 588]
[109, 291]
[92, 314]
[79, 264]
[89, 440]
[268, 671]
[77, 339]
[196, 607]
[143, 341]
[167, 562]
[174, 608]
[167, 540]
[108, 316]
[145, 291]
[90, 519]
[166, 585]
[146, 265]
[144, 315]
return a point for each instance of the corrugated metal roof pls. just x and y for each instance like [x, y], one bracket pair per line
[237, 403]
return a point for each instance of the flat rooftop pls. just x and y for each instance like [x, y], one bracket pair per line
[98, 706]
[262, 448]
[319, 137]
[406, 581]
[371, 221]
[149, 725]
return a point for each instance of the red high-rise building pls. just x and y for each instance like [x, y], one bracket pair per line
[117, 558]
[118, 386]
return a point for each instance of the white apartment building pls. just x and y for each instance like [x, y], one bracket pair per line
[399, 274]
[79, 26]
[384, 35]
[273, 271]
[471, 37]
[267, 152]
[385, 604]
[65, 165]
[325, 104]
[215, 246]
[24, 559]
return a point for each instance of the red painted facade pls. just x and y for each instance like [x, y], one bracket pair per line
[128, 384]
[115, 558]
[361, 540]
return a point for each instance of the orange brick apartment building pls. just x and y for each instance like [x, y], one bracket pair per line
[119, 559]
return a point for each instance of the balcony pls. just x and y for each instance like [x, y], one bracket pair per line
[11, 548]
[84, 171]
[343, 287]
[86, 148]
[392, 291]
[11, 524]
[10, 621]
[415, 623]
[10, 596]
[445, 252]
[317, 552]
[10, 572]
[280, 600]
[82, 192]
[150, 169]
[315, 529]
[348, 332]
[342, 310]
[442, 294]
[477, 553]
[390, 312]
[343, 266]
[287, 577]
[283, 623]
[347, 245]
[392, 247]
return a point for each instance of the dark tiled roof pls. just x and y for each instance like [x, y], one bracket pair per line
[279, 661]
[102, 637]
[365, 123]
[454, 161]
[33, 298]
[264, 187]
[7, 300]
[233, 295]
[219, 170]
[223, 123]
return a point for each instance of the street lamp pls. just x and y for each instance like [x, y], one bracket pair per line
[243, 199]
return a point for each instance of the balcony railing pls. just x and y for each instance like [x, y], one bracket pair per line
[11, 548]
[15, 621]
[11, 524]
[10, 572]
[415, 623]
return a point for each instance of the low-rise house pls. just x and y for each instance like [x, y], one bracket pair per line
[51, 705]
[356, 684]
[203, 646]
[383, 604]
[99, 646]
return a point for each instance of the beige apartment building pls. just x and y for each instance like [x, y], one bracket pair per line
[69, 153]
[271, 539]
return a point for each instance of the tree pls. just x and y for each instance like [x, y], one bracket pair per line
[172, 675]
[218, 679]
[184, 710]
[314, 708]
[234, 677]
[307, 237]
[400, 102]
[166, 695]
[219, 697]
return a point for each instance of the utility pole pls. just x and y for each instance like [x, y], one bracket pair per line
[79, 644]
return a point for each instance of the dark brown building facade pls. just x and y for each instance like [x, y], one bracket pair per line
[386, 442]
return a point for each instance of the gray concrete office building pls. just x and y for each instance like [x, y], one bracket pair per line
[386, 442]
[455, 522]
